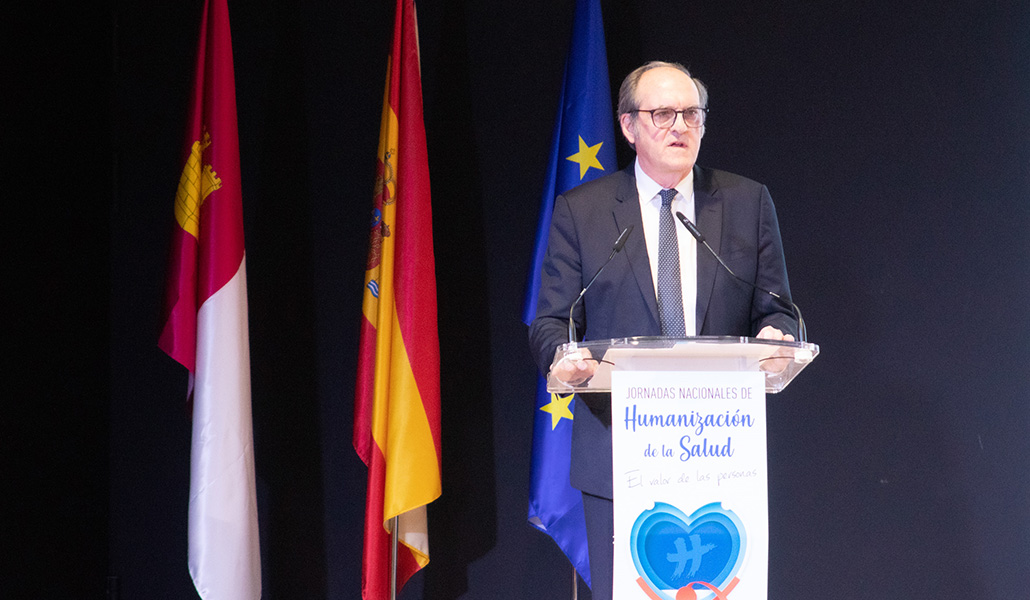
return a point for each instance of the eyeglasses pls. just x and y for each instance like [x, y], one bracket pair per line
[664, 118]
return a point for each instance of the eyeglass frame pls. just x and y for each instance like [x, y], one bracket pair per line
[678, 113]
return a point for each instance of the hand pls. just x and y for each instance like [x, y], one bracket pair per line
[771, 333]
[775, 364]
[574, 368]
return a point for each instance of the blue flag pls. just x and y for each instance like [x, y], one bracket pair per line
[583, 148]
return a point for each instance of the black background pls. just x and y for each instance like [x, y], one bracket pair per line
[894, 139]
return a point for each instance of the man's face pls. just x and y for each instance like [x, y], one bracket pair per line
[666, 155]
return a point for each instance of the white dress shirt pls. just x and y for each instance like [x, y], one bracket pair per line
[650, 205]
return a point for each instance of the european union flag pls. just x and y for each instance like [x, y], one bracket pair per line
[583, 148]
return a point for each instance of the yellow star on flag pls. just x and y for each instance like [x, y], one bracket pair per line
[586, 157]
[558, 408]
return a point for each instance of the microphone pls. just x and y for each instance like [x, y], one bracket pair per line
[694, 231]
[616, 248]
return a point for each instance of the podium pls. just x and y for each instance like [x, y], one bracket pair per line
[690, 475]
[709, 353]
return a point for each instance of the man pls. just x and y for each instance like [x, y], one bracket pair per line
[661, 283]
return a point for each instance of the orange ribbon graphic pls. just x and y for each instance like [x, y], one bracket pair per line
[687, 592]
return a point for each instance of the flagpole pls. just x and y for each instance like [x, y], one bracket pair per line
[393, 558]
[575, 585]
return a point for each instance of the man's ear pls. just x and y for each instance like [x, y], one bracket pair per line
[628, 125]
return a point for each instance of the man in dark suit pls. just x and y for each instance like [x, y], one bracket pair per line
[661, 283]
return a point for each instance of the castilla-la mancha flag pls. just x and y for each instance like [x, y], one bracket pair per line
[397, 400]
[205, 327]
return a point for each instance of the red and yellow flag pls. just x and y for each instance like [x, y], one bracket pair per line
[206, 328]
[397, 407]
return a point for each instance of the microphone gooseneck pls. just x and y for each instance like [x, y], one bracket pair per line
[616, 248]
[787, 302]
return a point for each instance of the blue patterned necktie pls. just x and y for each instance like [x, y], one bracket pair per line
[670, 289]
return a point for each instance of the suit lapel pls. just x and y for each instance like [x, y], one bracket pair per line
[708, 209]
[627, 212]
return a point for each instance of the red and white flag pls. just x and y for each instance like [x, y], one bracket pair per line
[205, 327]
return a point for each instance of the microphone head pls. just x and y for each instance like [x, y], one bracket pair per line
[619, 243]
[694, 231]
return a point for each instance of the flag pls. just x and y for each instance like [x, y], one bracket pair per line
[205, 327]
[582, 148]
[397, 396]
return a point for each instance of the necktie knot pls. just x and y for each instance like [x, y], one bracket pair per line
[667, 197]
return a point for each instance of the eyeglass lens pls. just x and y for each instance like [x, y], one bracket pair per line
[665, 117]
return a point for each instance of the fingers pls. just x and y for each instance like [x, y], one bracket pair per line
[574, 371]
[771, 333]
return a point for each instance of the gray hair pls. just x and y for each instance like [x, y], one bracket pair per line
[628, 90]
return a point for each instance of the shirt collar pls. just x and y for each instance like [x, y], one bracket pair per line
[648, 188]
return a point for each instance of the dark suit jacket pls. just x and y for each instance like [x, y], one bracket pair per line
[736, 216]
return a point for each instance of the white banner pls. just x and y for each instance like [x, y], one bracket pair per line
[690, 485]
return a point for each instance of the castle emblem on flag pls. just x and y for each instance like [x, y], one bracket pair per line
[195, 184]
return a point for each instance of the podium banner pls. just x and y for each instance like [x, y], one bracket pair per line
[690, 485]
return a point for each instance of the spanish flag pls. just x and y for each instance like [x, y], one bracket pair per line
[397, 400]
[205, 327]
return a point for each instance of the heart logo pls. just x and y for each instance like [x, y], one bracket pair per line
[672, 551]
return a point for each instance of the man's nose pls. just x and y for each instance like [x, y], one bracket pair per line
[679, 122]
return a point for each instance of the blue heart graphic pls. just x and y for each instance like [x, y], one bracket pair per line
[671, 550]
